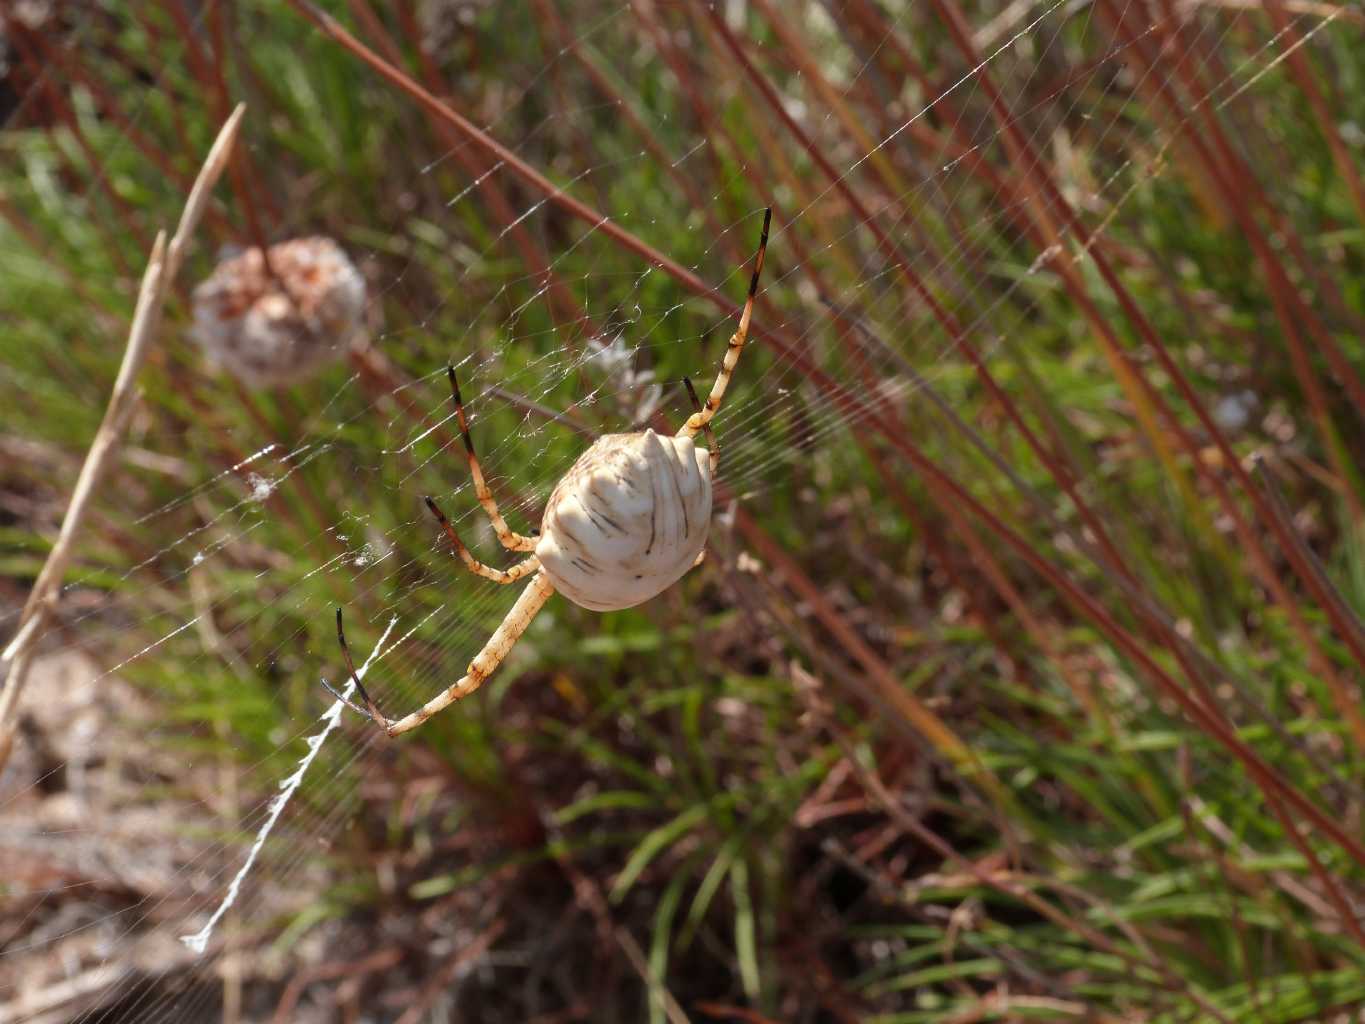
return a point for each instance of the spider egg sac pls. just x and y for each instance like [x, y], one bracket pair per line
[627, 521]
[274, 326]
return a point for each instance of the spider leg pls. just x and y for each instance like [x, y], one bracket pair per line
[698, 420]
[371, 709]
[535, 595]
[713, 449]
[509, 538]
[712, 452]
[473, 564]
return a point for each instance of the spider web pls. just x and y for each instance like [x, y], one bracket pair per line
[594, 341]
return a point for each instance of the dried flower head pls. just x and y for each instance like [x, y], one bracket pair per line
[276, 325]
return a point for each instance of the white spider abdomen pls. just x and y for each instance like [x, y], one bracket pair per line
[627, 521]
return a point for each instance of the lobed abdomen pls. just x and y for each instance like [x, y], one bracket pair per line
[627, 521]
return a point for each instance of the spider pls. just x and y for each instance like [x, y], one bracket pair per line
[626, 522]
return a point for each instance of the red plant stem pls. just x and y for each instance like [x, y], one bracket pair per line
[1265, 776]
[1301, 67]
[1295, 55]
[1160, 625]
[695, 101]
[380, 375]
[995, 575]
[208, 71]
[951, 567]
[482, 173]
[876, 164]
[1028, 159]
[1242, 195]
[54, 55]
[930, 725]
[603, 84]
[984, 617]
[194, 53]
[1064, 478]
[1238, 185]
[1004, 882]
[1339, 901]
[158, 45]
[23, 41]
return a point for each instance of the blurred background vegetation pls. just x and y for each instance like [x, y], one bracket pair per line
[1022, 680]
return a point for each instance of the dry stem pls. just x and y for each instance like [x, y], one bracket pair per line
[162, 266]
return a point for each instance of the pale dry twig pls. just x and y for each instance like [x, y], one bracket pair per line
[162, 267]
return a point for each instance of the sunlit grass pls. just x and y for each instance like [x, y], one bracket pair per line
[698, 773]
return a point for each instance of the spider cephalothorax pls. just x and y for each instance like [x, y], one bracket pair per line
[626, 522]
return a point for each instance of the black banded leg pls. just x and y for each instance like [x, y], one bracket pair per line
[507, 537]
[713, 446]
[473, 564]
[371, 709]
[532, 598]
[698, 420]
